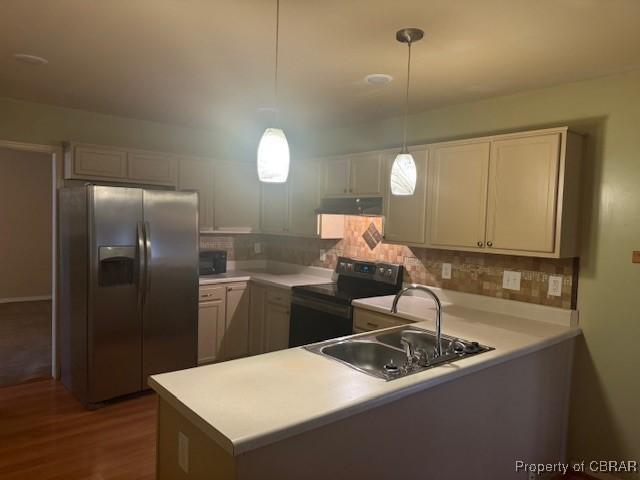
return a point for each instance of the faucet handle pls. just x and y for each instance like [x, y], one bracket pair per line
[423, 357]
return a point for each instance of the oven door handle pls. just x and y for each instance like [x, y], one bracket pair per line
[342, 311]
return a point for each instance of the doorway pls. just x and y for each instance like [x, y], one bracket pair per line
[27, 245]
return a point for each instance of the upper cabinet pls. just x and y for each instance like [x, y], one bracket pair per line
[103, 163]
[147, 167]
[236, 197]
[366, 174]
[353, 175]
[94, 161]
[290, 208]
[523, 193]
[274, 208]
[514, 194]
[458, 194]
[303, 198]
[197, 176]
[405, 216]
[336, 177]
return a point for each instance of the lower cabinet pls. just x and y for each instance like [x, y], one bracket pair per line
[366, 320]
[223, 322]
[276, 327]
[269, 328]
[235, 343]
[211, 322]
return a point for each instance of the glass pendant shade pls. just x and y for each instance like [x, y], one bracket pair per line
[403, 175]
[273, 156]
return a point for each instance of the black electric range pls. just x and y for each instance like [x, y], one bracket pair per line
[321, 312]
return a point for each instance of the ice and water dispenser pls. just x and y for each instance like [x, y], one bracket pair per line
[117, 265]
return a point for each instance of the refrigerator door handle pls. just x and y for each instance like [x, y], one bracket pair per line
[142, 255]
[147, 257]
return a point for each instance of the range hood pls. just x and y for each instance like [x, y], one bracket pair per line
[365, 206]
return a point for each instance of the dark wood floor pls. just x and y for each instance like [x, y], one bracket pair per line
[25, 341]
[45, 434]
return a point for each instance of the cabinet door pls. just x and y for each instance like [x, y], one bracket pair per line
[336, 181]
[366, 175]
[211, 320]
[99, 162]
[274, 208]
[152, 168]
[405, 216]
[197, 176]
[236, 336]
[458, 195]
[236, 196]
[303, 198]
[276, 324]
[523, 187]
[256, 319]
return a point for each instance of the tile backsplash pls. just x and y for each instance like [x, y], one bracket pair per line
[471, 272]
[238, 247]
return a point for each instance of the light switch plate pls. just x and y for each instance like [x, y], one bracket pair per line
[555, 286]
[446, 271]
[511, 280]
[257, 247]
[323, 255]
[183, 452]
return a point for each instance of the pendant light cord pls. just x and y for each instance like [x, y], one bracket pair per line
[275, 80]
[406, 101]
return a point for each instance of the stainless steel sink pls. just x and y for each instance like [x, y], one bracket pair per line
[366, 356]
[383, 355]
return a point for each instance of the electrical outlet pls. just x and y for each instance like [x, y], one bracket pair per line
[323, 255]
[446, 271]
[183, 452]
[555, 286]
[257, 247]
[511, 280]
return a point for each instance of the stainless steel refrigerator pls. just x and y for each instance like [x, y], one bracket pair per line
[129, 287]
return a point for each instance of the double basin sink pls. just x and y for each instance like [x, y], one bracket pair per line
[395, 352]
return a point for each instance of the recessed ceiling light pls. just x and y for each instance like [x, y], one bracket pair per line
[30, 59]
[378, 79]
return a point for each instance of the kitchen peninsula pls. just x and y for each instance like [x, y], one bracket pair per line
[249, 418]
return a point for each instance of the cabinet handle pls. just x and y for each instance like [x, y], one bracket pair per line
[207, 295]
[489, 244]
[480, 244]
[345, 190]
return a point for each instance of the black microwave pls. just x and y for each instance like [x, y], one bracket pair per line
[213, 261]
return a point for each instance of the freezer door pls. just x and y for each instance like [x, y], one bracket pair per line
[114, 330]
[170, 311]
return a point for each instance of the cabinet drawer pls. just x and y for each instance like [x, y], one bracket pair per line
[279, 296]
[210, 293]
[365, 321]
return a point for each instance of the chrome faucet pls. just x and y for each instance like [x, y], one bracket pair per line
[394, 309]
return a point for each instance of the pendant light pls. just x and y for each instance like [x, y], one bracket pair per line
[273, 149]
[403, 170]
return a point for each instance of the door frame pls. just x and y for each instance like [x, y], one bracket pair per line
[57, 176]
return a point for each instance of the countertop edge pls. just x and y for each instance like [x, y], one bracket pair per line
[205, 427]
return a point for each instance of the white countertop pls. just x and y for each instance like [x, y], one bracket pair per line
[281, 280]
[251, 402]
[273, 274]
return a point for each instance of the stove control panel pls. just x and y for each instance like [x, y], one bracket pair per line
[377, 271]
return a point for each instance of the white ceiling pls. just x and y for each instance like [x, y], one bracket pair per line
[208, 63]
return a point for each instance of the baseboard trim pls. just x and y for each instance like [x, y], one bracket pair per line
[25, 299]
